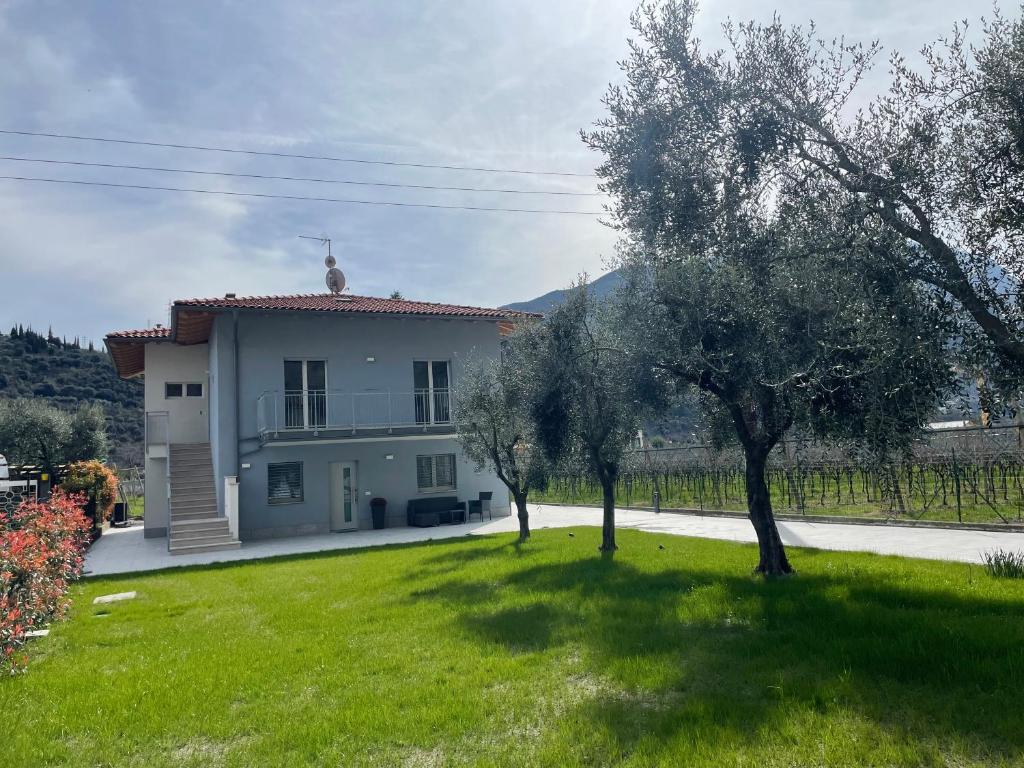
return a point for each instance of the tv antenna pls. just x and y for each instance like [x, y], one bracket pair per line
[335, 277]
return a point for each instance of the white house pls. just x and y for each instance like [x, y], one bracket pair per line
[284, 415]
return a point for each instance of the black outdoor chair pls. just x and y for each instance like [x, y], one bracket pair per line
[479, 506]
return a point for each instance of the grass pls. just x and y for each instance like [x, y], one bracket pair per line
[480, 652]
[138, 507]
[1005, 564]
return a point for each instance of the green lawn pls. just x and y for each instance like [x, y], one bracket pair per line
[478, 652]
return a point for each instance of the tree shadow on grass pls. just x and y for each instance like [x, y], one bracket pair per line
[687, 651]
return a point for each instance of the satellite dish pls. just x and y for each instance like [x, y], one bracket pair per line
[330, 261]
[335, 279]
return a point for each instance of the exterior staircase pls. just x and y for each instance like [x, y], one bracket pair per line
[195, 524]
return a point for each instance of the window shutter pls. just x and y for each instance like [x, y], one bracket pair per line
[284, 482]
[435, 473]
[444, 474]
[424, 472]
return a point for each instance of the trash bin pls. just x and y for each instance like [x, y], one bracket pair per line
[120, 513]
[379, 508]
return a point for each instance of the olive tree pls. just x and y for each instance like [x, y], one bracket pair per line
[728, 284]
[593, 395]
[35, 432]
[936, 161]
[495, 423]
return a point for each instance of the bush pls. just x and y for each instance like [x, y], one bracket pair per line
[41, 553]
[1005, 564]
[97, 483]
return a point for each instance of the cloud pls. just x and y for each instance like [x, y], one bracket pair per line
[505, 84]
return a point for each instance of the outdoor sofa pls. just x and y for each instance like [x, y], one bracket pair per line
[435, 510]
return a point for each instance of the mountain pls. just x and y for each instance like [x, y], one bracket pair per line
[66, 375]
[601, 287]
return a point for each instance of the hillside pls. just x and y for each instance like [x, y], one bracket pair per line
[600, 287]
[60, 372]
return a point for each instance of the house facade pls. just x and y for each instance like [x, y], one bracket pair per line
[285, 415]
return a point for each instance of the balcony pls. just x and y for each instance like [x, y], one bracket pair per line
[318, 414]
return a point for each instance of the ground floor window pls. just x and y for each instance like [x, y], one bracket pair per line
[284, 482]
[435, 473]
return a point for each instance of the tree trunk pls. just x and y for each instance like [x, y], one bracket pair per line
[608, 525]
[773, 560]
[524, 516]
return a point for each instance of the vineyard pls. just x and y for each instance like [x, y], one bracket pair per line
[969, 475]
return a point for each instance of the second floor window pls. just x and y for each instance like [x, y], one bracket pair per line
[305, 394]
[184, 389]
[431, 379]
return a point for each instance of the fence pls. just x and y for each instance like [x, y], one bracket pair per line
[967, 475]
[14, 492]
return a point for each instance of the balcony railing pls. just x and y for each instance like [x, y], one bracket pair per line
[327, 410]
[157, 429]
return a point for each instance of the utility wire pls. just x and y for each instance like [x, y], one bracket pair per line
[296, 178]
[201, 148]
[298, 197]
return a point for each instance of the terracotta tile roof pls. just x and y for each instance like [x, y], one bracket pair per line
[192, 319]
[325, 302]
[142, 334]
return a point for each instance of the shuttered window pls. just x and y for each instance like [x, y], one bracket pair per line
[284, 483]
[435, 473]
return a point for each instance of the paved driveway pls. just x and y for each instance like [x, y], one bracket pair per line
[126, 551]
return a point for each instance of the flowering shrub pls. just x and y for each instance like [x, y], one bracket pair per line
[41, 553]
[98, 484]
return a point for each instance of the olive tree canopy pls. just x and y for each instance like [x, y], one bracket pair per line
[746, 284]
[494, 417]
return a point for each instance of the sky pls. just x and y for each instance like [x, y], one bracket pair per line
[486, 83]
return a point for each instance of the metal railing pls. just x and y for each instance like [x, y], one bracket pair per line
[158, 433]
[158, 430]
[318, 410]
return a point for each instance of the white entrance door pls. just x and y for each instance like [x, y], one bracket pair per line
[344, 501]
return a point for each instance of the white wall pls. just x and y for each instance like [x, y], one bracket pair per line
[188, 416]
[156, 497]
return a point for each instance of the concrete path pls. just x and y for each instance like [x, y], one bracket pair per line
[126, 551]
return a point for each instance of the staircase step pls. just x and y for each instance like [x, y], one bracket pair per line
[194, 513]
[199, 523]
[179, 486]
[189, 527]
[200, 468]
[187, 499]
[187, 541]
[200, 476]
[190, 523]
[194, 548]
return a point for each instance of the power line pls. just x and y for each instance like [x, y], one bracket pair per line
[202, 148]
[298, 197]
[296, 178]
